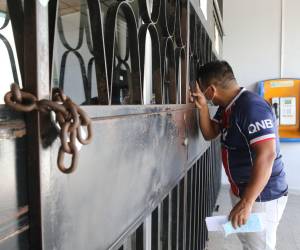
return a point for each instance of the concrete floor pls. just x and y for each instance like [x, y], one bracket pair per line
[288, 234]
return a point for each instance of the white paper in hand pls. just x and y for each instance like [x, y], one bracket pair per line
[215, 223]
[255, 223]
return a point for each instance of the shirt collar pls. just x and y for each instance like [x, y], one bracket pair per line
[235, 98]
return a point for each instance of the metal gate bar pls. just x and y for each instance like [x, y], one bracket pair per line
[178, 194]
[203, 184]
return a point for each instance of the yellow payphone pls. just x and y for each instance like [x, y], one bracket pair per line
[284, 96]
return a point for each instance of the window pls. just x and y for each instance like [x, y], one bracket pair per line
[203, 6]
[217, 39]
[218, 28]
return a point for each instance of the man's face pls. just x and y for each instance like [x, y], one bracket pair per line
[208, 91]
[211, 92]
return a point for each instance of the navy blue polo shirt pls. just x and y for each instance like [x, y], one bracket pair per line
[248, 120]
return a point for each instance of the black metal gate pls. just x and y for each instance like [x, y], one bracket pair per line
[148, 179]
[178, 220]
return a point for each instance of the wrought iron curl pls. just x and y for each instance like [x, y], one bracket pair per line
[110, 40]
[83, 29]
[85, 80]
[10, 55]
[146, 14]
[180, 59]
[168, 71]
[167, 17]
[156, 58]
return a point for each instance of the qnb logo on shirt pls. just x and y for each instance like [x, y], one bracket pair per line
[257, 126]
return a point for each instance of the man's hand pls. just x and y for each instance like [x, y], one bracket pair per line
[240, 213]
[265, 154]
[210, 129]
[198, 97]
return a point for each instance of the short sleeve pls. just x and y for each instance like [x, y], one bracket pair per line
[258, 123]
[218, 115]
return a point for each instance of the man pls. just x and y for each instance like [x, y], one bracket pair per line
[250, 150]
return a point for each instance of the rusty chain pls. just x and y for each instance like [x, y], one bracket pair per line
[69, 116]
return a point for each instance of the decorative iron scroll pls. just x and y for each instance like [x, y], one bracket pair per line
[4, 27]
[106, 52]
[111, 47]
[200, 45]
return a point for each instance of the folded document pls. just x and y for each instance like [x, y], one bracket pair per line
[255, 223]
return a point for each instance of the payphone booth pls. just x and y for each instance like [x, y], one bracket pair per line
[284, 96]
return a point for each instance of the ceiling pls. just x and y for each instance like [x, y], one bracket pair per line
[68, 6]
[3, 5]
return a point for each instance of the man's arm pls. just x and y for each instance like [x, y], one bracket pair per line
[209, 128]
[265, 152]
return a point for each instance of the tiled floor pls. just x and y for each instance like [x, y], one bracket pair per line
[288, 234]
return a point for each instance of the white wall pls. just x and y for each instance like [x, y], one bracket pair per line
[252, 39]
[291, 39]
[252, 45]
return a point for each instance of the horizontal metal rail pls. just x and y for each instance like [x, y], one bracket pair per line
[178, 222]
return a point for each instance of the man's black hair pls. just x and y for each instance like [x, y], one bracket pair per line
[215, 72]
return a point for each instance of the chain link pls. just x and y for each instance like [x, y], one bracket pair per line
[69, 116]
